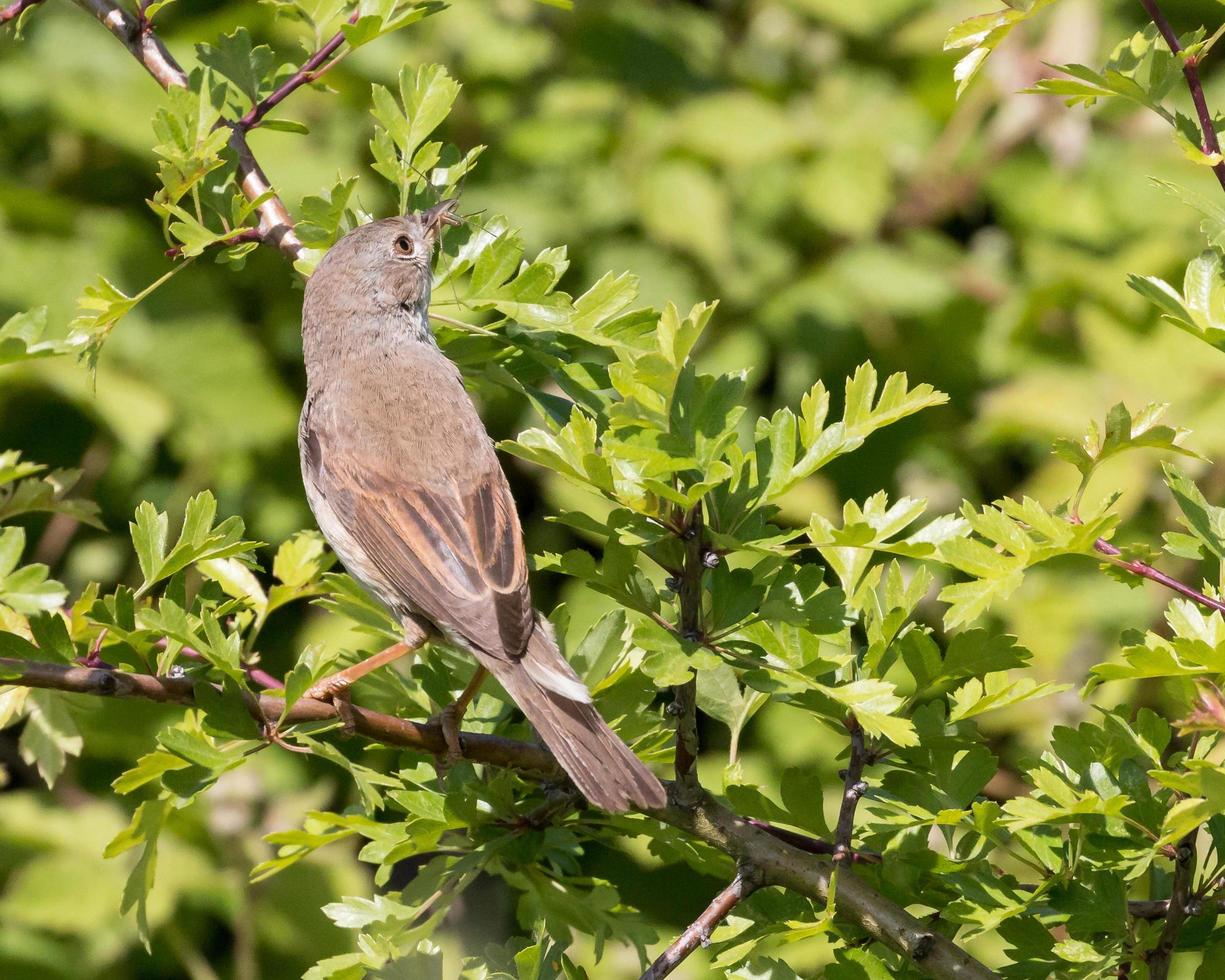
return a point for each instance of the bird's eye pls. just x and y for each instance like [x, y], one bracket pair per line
[404, 245]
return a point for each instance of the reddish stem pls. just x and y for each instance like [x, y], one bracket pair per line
[813, 845]
[16, 9]
[311, 69]
[1145, 570]
[1190, 71]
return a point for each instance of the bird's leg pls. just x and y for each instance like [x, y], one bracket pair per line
[335, 687]
[450, 716]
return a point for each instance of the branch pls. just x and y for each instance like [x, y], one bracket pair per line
[783, 865]
[1178, 910]
[1190, 71]
[814, 845]
[698, 934]
[689, 598]
[16, 9]
[426, 737]
[137, 35]
[1152, 910]
[778, 862]
[1145, 570]
[853, 789]
[311, 69]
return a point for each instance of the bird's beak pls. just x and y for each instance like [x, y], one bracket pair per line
[440, 214]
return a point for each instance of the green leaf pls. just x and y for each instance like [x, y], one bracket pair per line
[1009, 538]
[1200, 308]
[1205, 521]
[875, 705]
[426, 97]
[247, 67]
[200, 540]
[21, 339]
[865, 413]
[996, 691]
[149, 767]
[47, 493]
[1122, 432]
[26, 589]
[50, 735]
[983, 34]
[145, 829]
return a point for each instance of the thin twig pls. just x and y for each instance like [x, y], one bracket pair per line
[814, 845]
[1145, 570]
[311, 69]
[853, 788]
[138, 36]
[1190, 70]
[1179, 909]
[698, 933]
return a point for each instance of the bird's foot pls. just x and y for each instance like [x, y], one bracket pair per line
[335, 690]
[448, 720]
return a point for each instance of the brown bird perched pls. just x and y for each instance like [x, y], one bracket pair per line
[406, 487]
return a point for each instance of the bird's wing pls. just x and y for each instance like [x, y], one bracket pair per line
[453, 550]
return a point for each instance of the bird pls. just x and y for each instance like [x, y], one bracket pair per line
[407, 488]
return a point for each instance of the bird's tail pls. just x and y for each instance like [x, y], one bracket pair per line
[547, 690]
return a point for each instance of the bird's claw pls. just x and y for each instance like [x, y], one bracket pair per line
[335, 691]
[448, 720]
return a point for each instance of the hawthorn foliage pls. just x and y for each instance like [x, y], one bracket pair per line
[876, 621]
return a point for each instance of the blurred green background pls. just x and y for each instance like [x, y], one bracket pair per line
[803, 161]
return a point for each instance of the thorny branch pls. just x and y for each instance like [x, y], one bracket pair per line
[778, 862]
[853, 788]
[689, 598]
[698, 934]
[1190, 71]
[814, 845]
[1180, 908]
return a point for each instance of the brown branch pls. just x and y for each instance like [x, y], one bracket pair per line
[698, 934]
[275, 224]
[137, 35]
[311, 69]
[810, 875]
[16, 9]
[140, 41]
[1152, 910]
[853, 788]
[1145, 570]
[1178, 910]
[778, 862]
[426, 737]
[1190, 70]
[689, 599]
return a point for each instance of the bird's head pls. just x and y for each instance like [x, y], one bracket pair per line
[385, 265]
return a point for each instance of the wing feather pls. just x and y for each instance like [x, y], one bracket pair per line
[454, 552]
